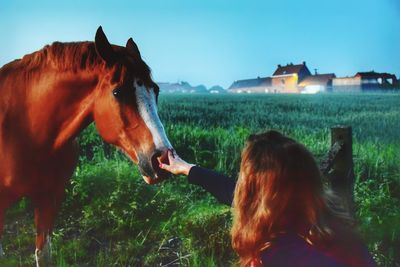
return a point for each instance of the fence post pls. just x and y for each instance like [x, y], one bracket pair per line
[342, 175]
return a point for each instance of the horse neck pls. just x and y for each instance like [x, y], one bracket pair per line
[62, 108]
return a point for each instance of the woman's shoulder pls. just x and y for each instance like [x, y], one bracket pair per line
[292, 250]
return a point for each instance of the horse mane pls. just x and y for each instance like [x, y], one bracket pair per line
[63, 56]
[72, 57]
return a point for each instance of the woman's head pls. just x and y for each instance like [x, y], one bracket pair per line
[279, 190]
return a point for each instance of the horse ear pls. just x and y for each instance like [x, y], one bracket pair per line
[103, 47]
[132, 48]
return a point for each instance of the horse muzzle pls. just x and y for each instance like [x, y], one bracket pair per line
[149, 166]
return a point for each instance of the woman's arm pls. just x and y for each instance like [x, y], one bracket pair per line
[220, 186]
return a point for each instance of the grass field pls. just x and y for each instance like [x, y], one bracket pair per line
[111, 218]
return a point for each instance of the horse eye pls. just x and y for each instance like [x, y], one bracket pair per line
[117, 92]
[139, 82]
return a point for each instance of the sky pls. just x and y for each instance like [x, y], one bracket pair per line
[215, 42]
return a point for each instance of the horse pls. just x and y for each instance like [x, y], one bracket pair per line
[48, 97]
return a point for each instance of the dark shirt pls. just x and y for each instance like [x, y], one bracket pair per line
[290, 250]
[286, 250]
[220, 186]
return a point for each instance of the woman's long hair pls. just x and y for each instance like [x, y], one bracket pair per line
[279, 190]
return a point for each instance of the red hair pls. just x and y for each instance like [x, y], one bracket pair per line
[279, 190]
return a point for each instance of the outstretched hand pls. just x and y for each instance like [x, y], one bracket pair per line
[176, 164]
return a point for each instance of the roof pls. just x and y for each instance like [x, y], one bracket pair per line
[317, 79]
[258, 82]
[375, 75]
[289, 69]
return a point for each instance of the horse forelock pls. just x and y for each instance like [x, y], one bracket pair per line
[128, 67]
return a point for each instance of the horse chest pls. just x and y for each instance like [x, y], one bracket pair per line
[32, 171]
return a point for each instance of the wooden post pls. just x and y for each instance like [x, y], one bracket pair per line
[342, 175]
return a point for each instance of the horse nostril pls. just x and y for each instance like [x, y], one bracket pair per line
[164, 157]
[159, 157]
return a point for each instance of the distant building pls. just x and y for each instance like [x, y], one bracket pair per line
[346, 84]
[181, 87]
[317, 83]
[216, 89]
[365, 81]
[258, 85]
[286, 78]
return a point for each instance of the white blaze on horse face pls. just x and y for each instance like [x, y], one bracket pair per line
[147, 107]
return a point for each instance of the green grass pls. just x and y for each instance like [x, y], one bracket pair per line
[111, 218]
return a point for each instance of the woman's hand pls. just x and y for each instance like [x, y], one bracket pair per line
[176, 164]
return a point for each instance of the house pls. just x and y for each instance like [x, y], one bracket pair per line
[346, 84]
[297, 78]
[373, 80]
[216, 89]
[317, 83]
[365, 81]
[287, 78]
[258, 85]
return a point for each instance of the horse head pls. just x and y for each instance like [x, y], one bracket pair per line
[125, 109]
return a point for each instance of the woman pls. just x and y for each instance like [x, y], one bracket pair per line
[282, 215]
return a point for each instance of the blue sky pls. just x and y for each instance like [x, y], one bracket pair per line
[217, 41]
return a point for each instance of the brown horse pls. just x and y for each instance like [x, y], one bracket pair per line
[49, 97]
